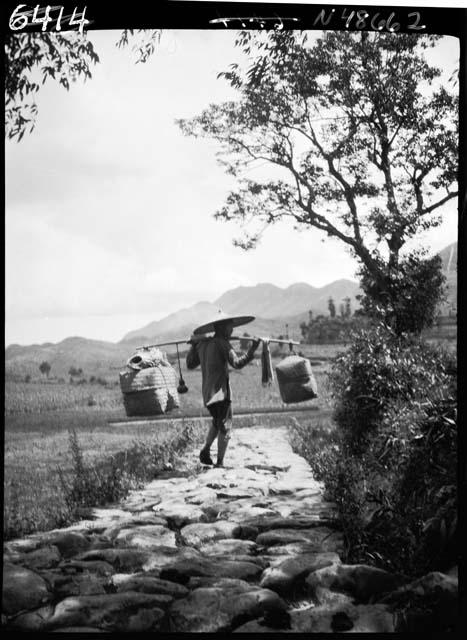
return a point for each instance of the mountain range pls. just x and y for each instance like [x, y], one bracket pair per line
[276, 309]
[273, 307]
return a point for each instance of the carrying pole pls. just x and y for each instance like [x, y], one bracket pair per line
[195, 339]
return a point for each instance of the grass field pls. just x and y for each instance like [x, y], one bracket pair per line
[40, 415]
[42, 398]
[39, 468]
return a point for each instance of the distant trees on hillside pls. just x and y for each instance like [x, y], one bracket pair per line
[45, 368]
[245, 342]
[333, 328]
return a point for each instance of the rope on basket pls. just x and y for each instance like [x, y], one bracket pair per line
[182, 388]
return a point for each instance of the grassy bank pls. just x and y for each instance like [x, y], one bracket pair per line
[50, 478]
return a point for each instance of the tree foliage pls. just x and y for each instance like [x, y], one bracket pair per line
[45, 368]
[326, 330]
[33, 58]
[379, 369]
[245, 342]
[411, 296]
[359, 135]
[394, 471]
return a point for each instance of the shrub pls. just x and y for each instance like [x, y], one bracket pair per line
[391, 464]
[318, 444]
[91, 401]
[378, 369]
[110, 479]
[408, 297]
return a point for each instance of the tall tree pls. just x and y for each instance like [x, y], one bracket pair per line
[45, 368]
[348, 308]
[361, 138]
[332, 308]
[245, 342]
[33, 58]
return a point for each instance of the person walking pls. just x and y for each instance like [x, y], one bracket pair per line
[215, 354]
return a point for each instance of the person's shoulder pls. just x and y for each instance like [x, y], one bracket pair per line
[222, 343]
[206, 343]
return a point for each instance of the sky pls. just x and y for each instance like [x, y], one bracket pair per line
[109, 208]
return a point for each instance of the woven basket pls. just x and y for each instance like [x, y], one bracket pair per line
[296, 380]
[150, 391]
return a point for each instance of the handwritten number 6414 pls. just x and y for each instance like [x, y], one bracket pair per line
[19, 18]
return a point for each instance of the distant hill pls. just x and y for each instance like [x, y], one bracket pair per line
[168, 326]
[272, 306]
[95, 357]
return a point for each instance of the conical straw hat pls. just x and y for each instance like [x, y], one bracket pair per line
[220, 316]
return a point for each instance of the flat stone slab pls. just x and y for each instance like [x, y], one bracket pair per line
[286, 575]
[22, 589]
[212, 610]
[266, 523]
[357, 619]
[271, 468]
[179, 513]
[231, 584]
[112, 532]
[182, 571]
[360, 581]
[81, 584]
[163, 556]
[42, 558]
[146, 537]
[229, 546]
[143, 583]
[243, 514]
[233, 494]
[194, 535]
[324, 539]
[280, 552]
[121, 559]
[129, 611]
[200, 496]
[70, 543]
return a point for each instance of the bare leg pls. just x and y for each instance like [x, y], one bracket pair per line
[224, 434]
[211, 436]
[222, 443]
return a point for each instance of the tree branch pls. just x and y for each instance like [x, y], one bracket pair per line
[440, 203]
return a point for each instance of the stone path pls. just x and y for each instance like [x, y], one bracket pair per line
[249, 548]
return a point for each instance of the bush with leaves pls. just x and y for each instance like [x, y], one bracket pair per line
[390, 464]
[407, 299]
[317, 443]
[110, 479]
[378, 369]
